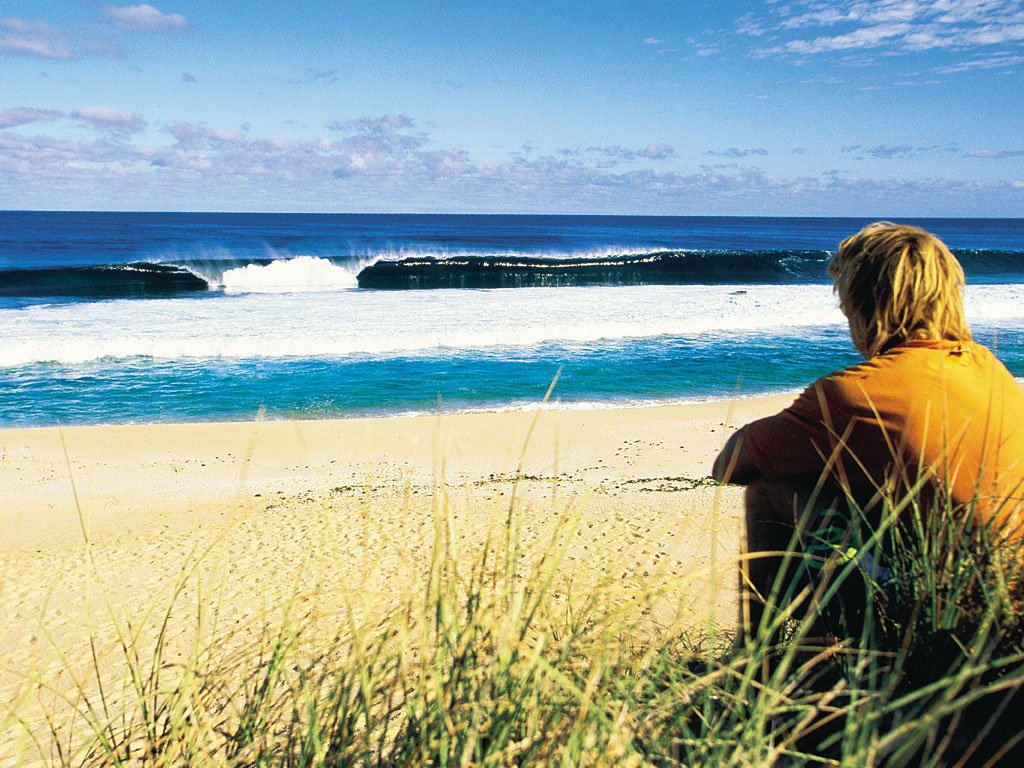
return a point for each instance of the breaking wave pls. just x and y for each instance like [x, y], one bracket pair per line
[390, 271]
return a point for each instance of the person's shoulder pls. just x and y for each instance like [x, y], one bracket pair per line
[994, 371]
[852, 384]
[982, 353]
[972, 357]
[832, 388]
[913, 354]
[844, 378]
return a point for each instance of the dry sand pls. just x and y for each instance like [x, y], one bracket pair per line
[338, 516]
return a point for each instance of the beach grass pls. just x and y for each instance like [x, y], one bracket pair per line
[492, 658]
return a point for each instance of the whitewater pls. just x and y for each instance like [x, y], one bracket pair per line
[291, 318]
[114, 318]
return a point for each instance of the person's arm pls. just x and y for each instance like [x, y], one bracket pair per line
[734, 464]
[791, 443]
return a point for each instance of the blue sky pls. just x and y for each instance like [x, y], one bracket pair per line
[853, 107]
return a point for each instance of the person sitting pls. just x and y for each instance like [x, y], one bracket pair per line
[929, 412]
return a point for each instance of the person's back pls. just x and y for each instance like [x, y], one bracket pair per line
[929, 411]
[945, 410]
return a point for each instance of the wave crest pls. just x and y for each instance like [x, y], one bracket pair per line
[300, 273]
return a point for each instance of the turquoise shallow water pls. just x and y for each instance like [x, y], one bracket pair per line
[591, 375]
[114, 318]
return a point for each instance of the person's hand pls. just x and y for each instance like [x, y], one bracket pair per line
[733, 464]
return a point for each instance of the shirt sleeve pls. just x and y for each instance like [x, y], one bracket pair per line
[800, 440]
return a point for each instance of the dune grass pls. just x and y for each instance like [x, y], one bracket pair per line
[490, 662]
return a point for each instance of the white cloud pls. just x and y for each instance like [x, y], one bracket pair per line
[374, 125]
[735, 152]
[705, 49]
[145, 18]
[750, 24]
[372, 142]
[653, 41]
[49, 157]
[112, 121]
[995, 154]
[808, 27]
[10, 118]
[818, 18]
[892, 152]
[616, 153]
[310, 76]
[996, 61]
[19, 37]
[386, 163]
[22, 37]
[865, 37]
[898, 151]
[192, 136]
[656, 152]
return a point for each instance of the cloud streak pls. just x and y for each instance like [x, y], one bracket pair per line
[144, 18]
[994, 154]
[310, 76]
[810, 27]
[617, 154]
[898, 151]
[11, 118]
[736, 153]
[20, 37]
[996, 61]
[37, 39]
[112, 121]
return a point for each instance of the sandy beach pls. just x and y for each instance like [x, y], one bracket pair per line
[107, 530]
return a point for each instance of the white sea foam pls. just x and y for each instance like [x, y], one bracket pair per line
[287, 273]
[994, 302]
[610, 405]
[301, 273]
[386, 323]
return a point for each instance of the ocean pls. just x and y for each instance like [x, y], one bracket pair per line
[109, 318]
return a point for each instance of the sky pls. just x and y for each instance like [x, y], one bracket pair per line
[879, 108]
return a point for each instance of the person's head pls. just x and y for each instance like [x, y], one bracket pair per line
[897, 283]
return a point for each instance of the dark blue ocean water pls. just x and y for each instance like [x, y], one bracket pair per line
[132, 317]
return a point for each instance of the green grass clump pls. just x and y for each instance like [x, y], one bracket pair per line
[497, 664]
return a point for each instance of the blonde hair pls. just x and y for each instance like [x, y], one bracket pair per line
[896, 283]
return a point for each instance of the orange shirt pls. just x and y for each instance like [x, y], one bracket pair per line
[946, 409]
